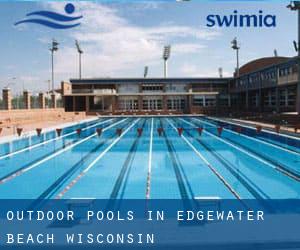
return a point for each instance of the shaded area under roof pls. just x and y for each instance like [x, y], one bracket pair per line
[126, 80]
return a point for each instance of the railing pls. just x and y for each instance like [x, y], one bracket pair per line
[93, 91]
[288, 78]
[82, 91]
[104, 91]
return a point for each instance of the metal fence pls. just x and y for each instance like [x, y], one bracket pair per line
[18, 103]
[1, 104]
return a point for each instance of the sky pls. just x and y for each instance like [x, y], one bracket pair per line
[119, 38]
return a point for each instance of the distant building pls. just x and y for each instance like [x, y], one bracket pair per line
[265, 85]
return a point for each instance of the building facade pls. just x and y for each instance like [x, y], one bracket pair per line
[264, 85]
[146, 95]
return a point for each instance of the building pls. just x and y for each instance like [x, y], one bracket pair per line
[146, 95]
[264, 85]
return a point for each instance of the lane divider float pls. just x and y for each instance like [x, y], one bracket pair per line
[48, 141]
[47, 158]
[92, 164]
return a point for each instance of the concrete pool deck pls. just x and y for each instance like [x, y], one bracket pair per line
[30, 120]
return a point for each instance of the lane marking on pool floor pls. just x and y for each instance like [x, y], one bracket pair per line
[18, 173]
[221, 178]
[148, 188]
[278, 168]
[252, 138]
[48, 141]
[92, 164]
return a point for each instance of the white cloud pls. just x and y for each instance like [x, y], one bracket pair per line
[114, 46]
[188, 69]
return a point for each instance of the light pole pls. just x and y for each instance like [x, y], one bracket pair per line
[234, 45]
[48, 86]
[11, 82]
[79, 50]
[166, 56]
[295, 6]
[146, 71]
[54, 47]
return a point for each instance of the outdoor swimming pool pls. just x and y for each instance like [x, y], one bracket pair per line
[121, 164]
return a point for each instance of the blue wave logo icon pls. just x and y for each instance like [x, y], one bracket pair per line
[54, 20]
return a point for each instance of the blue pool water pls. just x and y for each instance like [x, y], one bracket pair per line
[232, 165]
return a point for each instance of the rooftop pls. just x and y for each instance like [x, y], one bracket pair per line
[153, 80]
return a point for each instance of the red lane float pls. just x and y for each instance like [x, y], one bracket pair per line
[140, 131]
[277, 128]
[220, 129]
[119, 131]
[160, 131]
[99, 131]
[39, 131]
[258, 128]
[58, 131]
[19, 131]
[180, 130]
[238, 130]
[200, 129]
[296, 128]
[78, 131]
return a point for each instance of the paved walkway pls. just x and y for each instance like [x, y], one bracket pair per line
[31, 120]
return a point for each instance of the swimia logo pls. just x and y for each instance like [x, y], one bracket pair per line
[239, 20]
[52, 19]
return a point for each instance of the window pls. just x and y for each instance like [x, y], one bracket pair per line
[152, 87]
[176, 103]
[198, 101]
[270, 98]
[210, 101]
[128, 104]
[285, 71]
[152, 104]
[204, 101]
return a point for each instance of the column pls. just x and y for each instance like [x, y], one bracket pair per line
[247, 100]
[74, 103]
[53, 101]
[42, 102]
[6, 96]
[277, 100]
[140, 100]
[260, 102]
[27, 99]
[165, 104]
[114, 103]
[87, 104]
[298, 98]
